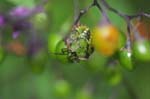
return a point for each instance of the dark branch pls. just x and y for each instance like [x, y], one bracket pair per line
[125, 16]
[139, 15]
[107, 6]
[128, 44]
[82, 12]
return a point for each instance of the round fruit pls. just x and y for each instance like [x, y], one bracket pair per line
[61, 52]
[94, 64]
[61, 88]
[83, 94]
[53, 41]
[114, 75]
[125, 59]
[105, 39]
[141, 50]
[40, 20]
[143, 28]
[17, 48]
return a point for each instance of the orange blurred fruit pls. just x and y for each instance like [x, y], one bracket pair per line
[143, 28]
[105, 39]
[17, 48]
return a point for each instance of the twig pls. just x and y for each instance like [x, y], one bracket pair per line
[76, 8]
[83, 11]
[123, 15]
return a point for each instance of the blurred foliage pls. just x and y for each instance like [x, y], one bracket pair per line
[42, 76]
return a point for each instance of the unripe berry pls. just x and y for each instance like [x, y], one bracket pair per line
[141, 50]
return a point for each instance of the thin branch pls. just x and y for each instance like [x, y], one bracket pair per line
[107, 6]
[139, 15]
[123, 15]
[76, 8]
[128, 44]
[82, 12]
[105, 18]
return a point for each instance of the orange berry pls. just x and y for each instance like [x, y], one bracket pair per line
[105, 39]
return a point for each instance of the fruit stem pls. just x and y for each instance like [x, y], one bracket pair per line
[125, 16]
[107, 6]
[129, 39]
[84, 11]
[105, 19]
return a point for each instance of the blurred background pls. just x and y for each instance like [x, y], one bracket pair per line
[29, 30]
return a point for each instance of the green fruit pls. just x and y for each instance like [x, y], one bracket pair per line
[53, 40]
[125, 59]
[83, 94]
[114, 76]
[40, 20]
[61, 89]
[141, 50]
[94, 64]
[61, 52]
